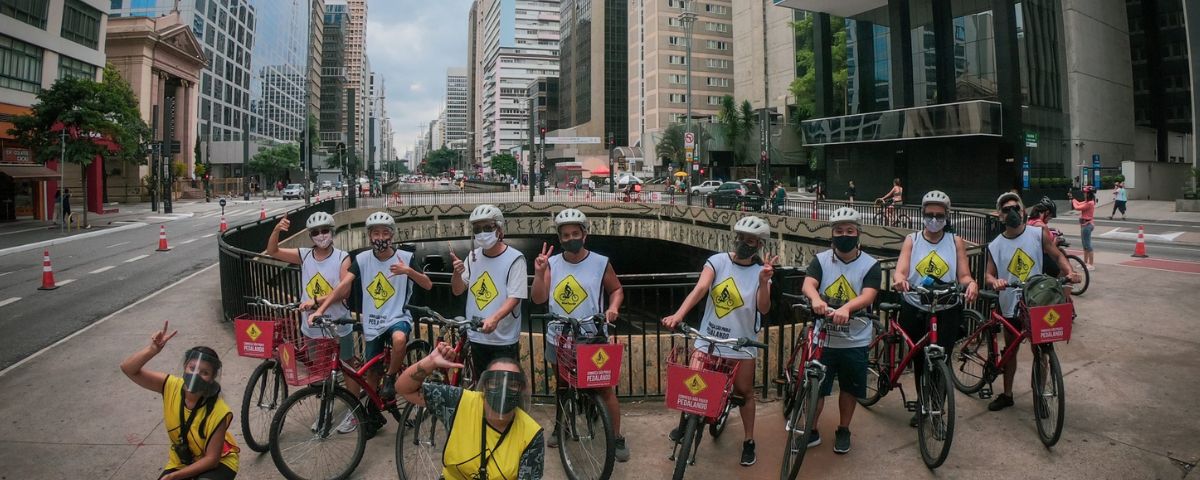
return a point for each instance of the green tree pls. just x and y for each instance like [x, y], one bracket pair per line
[670, 145]
[505, 164]
[272, 162]
[107, 109]
[804, 87]
[439, 161]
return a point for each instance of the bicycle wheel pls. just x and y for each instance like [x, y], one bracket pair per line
[304, 442]
[935, 417]
[969, 358]
[420, 440]
[718, 426]
[1081, 268]
[265, 392]
[879, 220]
[587, 445]
[1049, 402]
[686, 444]
[903, 221]
[878, 367]
[800, 422]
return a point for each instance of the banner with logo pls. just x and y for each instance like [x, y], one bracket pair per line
[598, 366]
[287, 360]
[255, 338]
[699, 392]
[1051, 323]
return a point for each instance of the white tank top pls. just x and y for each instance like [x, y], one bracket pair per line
[318, 278]
[576, 289]
[384, 294]
[1016, 259]
[842, 282]
[938, 260]
[487, 287]
[731, 309]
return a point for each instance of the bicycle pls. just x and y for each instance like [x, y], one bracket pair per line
[935, 397]
[311, 410]
[978, 360]
[1077, 264]
[712, 408]
[582, 421]
[889, 216]
[801, 380]
[419, 444]
[266, 388]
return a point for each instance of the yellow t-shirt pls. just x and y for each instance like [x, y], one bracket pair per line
[172, 390]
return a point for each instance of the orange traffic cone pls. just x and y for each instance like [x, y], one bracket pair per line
[162, 239]
[1140, 249]
[47, 273]
[262, 211]
[814, 212]
[224, 226]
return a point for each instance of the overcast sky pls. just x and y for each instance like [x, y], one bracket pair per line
[411, 44]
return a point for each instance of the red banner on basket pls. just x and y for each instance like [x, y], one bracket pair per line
[599, 365]
[287, 359]
[1051, 323]
[695, 391]
[255, 338]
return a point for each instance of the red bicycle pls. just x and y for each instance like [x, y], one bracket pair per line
[306, 442]
[935, 391]
[978, 360]
[421, 439]
[260, 336]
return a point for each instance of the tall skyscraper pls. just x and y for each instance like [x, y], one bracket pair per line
[764, 53]
[474, 80]
[456, 108]
[280, 87]
[333, 76]
[316, 37]
[356, 68]
[594, 79]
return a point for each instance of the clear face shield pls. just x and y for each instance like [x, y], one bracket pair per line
[503, 391]
[201, 373]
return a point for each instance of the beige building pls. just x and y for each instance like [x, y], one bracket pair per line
[764, 53]
[161, 59]
[356, 69]
[658, 70]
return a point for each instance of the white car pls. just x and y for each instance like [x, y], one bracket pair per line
[626, 178]
[326, 185]
[705, 188]
[293, 190]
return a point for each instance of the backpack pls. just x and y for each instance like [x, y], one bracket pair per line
[1043, 290]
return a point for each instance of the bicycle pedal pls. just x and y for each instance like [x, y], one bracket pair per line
[911, 405]
[985, 393]
[780, 381]
[736, 401]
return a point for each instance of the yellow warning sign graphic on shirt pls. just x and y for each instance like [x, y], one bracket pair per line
[695, 384]
[484, 291]
[933, 266]
[253, 332]
[1020, 265]
[318, 287]
[569, 294]
[599, 358]
[841, 290]
[380, 290]
[726, 297]
[1051, 317]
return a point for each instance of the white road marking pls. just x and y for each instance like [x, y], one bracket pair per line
[64, 282]
[5, 273]
[8, 301]
[103, 269]
[206, 236]
[139, 257]
[116, 245]
[57, 241]
[26, 230]
[185, 242]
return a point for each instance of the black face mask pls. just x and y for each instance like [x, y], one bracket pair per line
[1012, 219]
[381, 245]
[573, 245]
[845, 243]
[745, 251]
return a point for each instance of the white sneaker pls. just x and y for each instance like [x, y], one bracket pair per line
[348, 424]
[1091, 267]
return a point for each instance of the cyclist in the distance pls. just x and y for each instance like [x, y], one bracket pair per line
[736, 290]
[892, 200]
[593, 273]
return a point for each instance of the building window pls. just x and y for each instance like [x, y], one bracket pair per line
[677, 60]
[677, 98]
[716, 27]
[718, 45]
[198, 27]
[714, 100]
[677, 79]
[674, 22]
[677, 41]
[20, 65]
[33, 12]
[718, 63]
[70, 67]
[81, 23]
[675, 3]
[718, 82]
[716, 9]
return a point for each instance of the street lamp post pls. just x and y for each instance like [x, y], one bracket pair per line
[687, 18]
[62, 175]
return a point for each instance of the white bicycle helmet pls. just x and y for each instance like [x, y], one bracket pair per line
[571, 216]
[844, 215]
[936, 197]
[319, 219]
[381, 219]
[487, 212]
[753, 226]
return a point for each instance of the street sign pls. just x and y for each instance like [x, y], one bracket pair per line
[1096, 170]
[222, 202]
[689, 140]
[695, 167]
[572, 140]
[1025, 173]
[1031, 139]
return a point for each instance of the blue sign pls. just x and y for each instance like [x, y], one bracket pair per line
[1025, 173]
[1096, 170]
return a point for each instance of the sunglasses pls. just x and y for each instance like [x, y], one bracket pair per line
[483, 228]
[323, 231]
[1011, 208]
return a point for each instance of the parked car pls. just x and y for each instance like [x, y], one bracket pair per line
[293, 190]
[753, 186]
[704, 188]
[326, 185]
[735, 195]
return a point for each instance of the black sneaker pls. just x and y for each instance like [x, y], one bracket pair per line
[748, 457]
[1001, 402]
[622, 450]
[912, 422]
[387, 391]
[841, 440]
[676, 434]
[814, 438]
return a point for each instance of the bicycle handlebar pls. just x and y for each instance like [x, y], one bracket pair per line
[1015, 285]
[734, 343]
[257, 300]
[432, 316]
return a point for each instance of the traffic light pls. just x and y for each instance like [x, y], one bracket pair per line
[702, 170]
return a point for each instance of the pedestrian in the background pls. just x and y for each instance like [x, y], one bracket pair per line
[1120, 196]
[778, 197]
[54, 206]
[278, 186]
[851, 192]
[1087, 213]
[821, 192]
[66, 204]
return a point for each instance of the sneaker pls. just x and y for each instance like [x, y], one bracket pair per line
[348, 424]
[552, 442]
[814, 438]
[748, 456]
[622, 450]
[841, 440]
[387, 391]
[1001, 402]
[676, 434]
[912, 422]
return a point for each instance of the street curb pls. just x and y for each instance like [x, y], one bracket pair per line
[57, 241]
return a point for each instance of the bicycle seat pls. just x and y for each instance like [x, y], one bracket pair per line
[889, 307]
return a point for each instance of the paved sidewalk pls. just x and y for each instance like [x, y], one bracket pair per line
[1131, 394]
